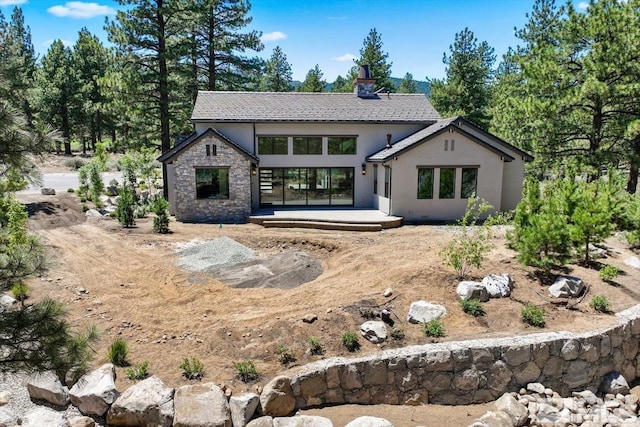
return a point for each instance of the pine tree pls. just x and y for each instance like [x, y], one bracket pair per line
[466, 90]
[90, 61]
[371, 54]
[56, 89]
[277, 73]
[216, 45]
[18, 60]
[408, 85]
[313, 81]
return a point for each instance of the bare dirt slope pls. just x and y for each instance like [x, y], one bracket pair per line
[127, 283]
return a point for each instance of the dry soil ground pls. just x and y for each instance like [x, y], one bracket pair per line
[127, 283]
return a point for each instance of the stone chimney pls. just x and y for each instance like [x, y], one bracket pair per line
[363, 86]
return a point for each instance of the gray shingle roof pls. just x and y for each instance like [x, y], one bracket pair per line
[311, 107]
[426, 133]
[193, 138]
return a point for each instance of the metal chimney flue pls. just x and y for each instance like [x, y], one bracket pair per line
[388, 140]
[363, 73]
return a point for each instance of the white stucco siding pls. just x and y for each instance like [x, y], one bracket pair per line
[370, 139]
[466, 153]
[512, 181]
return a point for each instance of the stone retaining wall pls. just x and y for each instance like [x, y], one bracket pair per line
[463, 372]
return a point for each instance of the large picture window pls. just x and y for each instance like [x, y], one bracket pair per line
[212, 183]
[342, 145]
[447, 183]
[272, 145]
[307, 145]
[425, 183]
[306, 186]
[469, 182]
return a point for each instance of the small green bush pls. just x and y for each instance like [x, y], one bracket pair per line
[192, 369]
[350, 341]
[70, 190]
[119, 352]
[160, 207]
[75, 163]
[83, 199]
[608, 273]
[84, 207]
[20, 291]
[472, 306]
[600, 303]
[125, 207]
[315, 345]
[533, 315]
[397, 333]
[138, 372]
[247, 371]
[433, 328]
[285, 355]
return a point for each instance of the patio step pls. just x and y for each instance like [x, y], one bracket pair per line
[321, 225]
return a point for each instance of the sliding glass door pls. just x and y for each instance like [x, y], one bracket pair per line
[306, 186]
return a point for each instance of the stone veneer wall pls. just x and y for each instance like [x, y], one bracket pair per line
[475, 371]
[234, 209]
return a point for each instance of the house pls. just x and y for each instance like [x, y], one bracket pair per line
[386, 151]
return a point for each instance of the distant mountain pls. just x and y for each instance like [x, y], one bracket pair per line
[423, 86]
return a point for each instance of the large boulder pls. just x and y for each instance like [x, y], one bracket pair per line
[422, 312]
[374, 331]
[498, 285]
[566, 287]
[44, 417]
[148, 402]
[243, 406]
[201, 405]
[47, 386]
[467, 290]
[302, 421]
[614, 383]
[368, 421]
[516, 410]
[277, 397]
[7, 302]
[96, 391]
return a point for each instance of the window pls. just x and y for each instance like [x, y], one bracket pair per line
[447, 183]
[272, 145]
[375, 179]
[387, 181]
[342, 145]
[453, 142]
[211, 150]
[212, 183]
[469, 182]
[425, 183]
[446, 145]
[307, 145]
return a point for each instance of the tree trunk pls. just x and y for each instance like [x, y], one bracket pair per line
[212, 51]
[634, 165]
[163, 88]
[84, 145]
[92, 125]
[66, 131]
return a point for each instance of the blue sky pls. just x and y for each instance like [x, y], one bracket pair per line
[329, 33]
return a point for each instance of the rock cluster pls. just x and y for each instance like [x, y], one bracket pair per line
[492, 286]
[537, 405]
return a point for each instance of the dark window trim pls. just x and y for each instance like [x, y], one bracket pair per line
[475, 187]
[341, 147]
[433, 175]
[272, 145]
[306, 137]
[455, 173]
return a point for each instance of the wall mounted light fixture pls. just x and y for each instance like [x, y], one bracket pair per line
[254, 169]
[364, 169]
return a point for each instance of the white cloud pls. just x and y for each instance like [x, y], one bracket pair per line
[344, 58]
[583, 5]
[50, 42]
[276, 35]
[12, 2]
[80, 10]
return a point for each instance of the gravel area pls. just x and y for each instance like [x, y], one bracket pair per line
[218, 253]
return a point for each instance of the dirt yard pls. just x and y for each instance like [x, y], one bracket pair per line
[128, 284]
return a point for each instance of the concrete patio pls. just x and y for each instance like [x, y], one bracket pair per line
[327, 219]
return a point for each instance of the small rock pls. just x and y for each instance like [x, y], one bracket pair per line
[81, 422]
[368, 421]
[467, 290]
[566, 287]
[44, 417]
[5, 397]
[243, 408]
[309, 318]
[498, 285]
[374, 331]
[587, 396]
[277, 397]
[46, 191]
[302, 421]
[536, 388]
[614, 383]
[387, 292]
[93, 213]
[634, 262]
[516, 411]
[47, 386]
